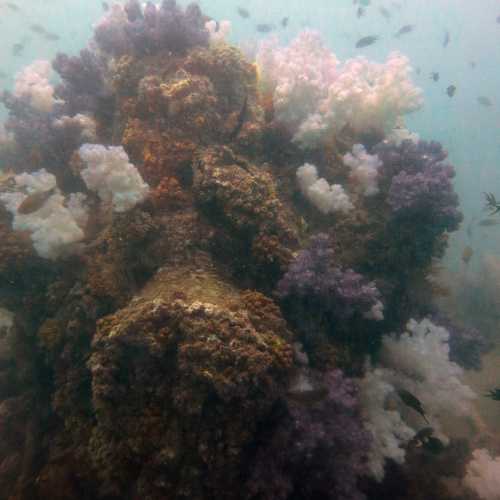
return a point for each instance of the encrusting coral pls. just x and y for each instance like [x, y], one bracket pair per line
[199, 252]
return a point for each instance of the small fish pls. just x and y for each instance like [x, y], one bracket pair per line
[493, 394]
[385, 13]
[240, 120]
[35, 201]
[491, 203]
[435, 76]
[472, 64]
[488, 222]
[17, 49]
[467, 254]
[244, 13]
[264, 28]
[366, 41]
[470, 228]
[407, 28]
[37, 28]
[360, 12]
[412, 402]
[52, 37]
[450, 90]
[12, 6]
[424, 433]
[484, 101]
[446, 40]
[498, 19]
[418, 70]
[284, 22]
[105, 6]
[434, 445]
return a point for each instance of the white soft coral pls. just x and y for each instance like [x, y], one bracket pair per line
[417, 362]
[298, 76]
[327, 198]
[109, 173]
[483, 475]
[32, 83]
[371, 96]
[53, 227]
[364, 169]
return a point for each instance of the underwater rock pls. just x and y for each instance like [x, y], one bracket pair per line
[244, 198]
[190, 356]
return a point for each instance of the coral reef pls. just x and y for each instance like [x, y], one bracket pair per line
[199, 252]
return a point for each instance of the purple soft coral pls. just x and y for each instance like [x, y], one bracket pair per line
[83, 88]
[319, 450]
[467, 345]
[314, 276]
[421, 183]
[147, 31]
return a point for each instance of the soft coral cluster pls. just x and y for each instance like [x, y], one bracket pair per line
[313, 95]
[324, 440]
[314, 277]
[147, 30]
[421, 186]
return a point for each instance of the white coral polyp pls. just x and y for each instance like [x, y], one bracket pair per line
[32, 83]
[371, 96]
[389, 431]
[483, 475]
[313, 95]
[327, 198]
[364, 169]
[109, 173]
[218, 32]
[417, 362]
[53, 226]
[298, 76]
[420, 357]
[87, 124]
